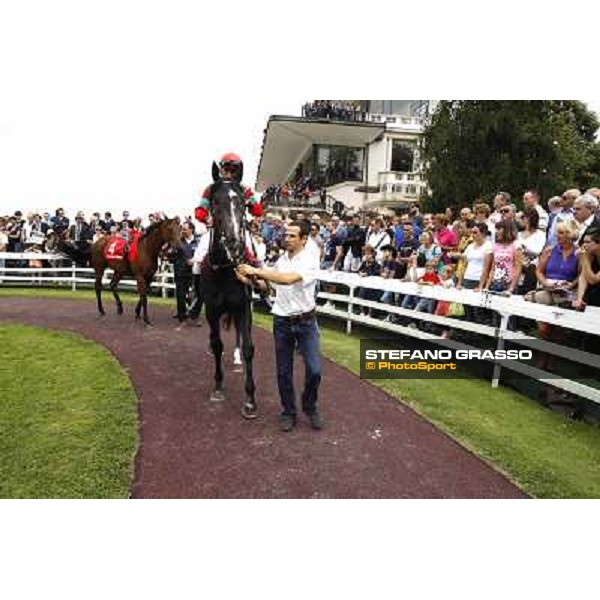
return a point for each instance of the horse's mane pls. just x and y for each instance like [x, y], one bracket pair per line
[151, 229]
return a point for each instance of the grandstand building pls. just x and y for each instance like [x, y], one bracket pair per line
[365, 153]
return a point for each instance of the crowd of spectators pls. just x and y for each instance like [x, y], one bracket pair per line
[31, 233]
[301, 192]
[335, 110]
[547, 254]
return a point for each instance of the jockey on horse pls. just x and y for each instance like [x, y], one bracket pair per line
[231, 168]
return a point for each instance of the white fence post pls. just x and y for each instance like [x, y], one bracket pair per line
[350, 308]
[163, 282]
[500, 346]
[73, 277]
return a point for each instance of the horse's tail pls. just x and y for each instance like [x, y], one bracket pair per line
[76, 254]
[227, 321]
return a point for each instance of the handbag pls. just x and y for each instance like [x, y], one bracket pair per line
[456, 310]
[443, 308]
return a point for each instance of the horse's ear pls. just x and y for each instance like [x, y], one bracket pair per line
[216, 175]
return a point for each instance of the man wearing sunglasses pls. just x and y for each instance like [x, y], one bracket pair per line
[231, 168]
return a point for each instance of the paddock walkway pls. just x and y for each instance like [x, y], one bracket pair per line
[372, 447]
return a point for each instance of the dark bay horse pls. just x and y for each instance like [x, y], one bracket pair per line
[142, 268]
[223, 293]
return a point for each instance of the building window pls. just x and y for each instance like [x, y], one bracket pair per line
[376, 106]
[403, 156]
[335, 164]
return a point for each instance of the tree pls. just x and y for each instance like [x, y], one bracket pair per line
[474, 148]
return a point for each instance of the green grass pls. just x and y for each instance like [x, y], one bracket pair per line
[547, 455]
[68, 417]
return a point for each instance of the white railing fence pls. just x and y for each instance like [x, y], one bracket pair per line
[587, 322]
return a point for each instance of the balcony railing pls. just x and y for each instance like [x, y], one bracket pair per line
[349, 115]
[413, 122]
[395, 177]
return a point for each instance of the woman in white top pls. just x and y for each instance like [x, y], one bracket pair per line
[532, 241]
[477, 258]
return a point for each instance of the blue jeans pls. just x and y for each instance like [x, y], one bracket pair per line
[387, 298]
[419, 304]
[305, 336]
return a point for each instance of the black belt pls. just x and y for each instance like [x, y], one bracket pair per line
[301, 317]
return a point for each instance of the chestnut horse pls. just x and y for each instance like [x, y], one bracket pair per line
[142, 268]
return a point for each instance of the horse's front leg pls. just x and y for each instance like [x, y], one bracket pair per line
[138, 308]
[216, 345]
[249, 408]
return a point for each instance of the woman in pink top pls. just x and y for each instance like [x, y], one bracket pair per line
[444, 237]
[507, 260]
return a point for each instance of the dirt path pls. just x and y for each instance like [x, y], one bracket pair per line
[372, 447]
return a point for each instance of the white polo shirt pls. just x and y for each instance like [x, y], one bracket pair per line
[298, 297]
[313, 248]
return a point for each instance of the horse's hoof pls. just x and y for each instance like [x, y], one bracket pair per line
[217, 396]
[148, 324]
[237, 369]
[101, 315]
[119, 311]
[137, 317]
[249, 411]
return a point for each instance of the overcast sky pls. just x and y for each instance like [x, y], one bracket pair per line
[118, 108]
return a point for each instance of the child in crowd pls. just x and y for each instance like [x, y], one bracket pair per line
[391, 269]
[443, 306]
[368, 268]
[430, 277]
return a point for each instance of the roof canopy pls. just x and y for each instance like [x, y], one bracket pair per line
[287, 139]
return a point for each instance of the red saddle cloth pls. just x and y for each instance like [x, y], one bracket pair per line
[115, 249]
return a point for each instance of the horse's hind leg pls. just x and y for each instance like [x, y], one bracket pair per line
[98, 288]
[249, 408]
[216, 345]
[114, 286]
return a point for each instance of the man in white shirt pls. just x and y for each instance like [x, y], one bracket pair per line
[294, 322]
[584, 209]
[531, 200]
[378, 238]
[564, 214]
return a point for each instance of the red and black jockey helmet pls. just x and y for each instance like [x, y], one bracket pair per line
[231, 161]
